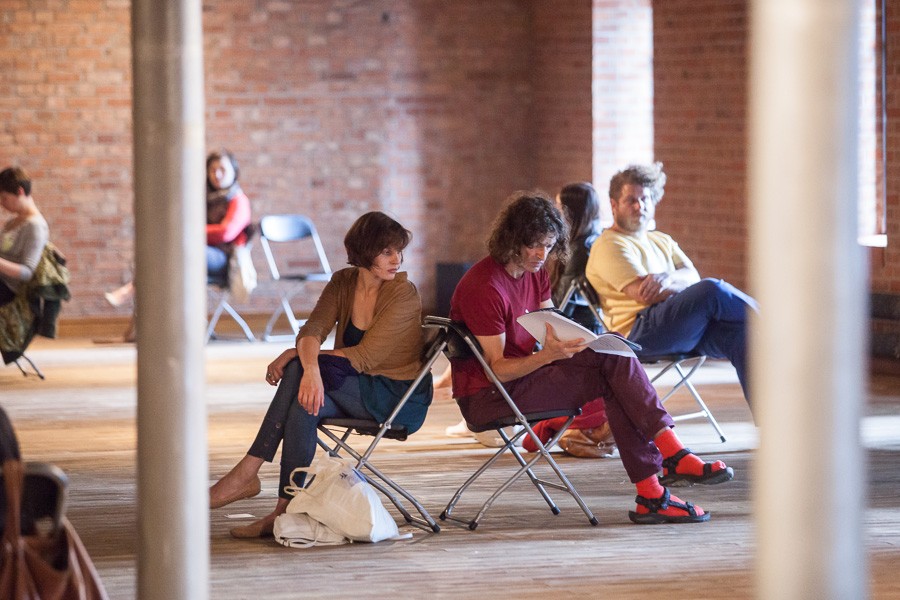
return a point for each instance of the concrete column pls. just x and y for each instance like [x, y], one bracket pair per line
[169, 167]
[809, 273]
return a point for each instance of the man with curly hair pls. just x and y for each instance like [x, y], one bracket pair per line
[564, 374]
[650, 291]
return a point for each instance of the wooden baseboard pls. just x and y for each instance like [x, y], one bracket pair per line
[112, 327]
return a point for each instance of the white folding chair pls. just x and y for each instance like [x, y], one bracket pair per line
[223, 306]
[298, 231]
[683, 365]
[218, 289]
[462, 344]
[339, 430]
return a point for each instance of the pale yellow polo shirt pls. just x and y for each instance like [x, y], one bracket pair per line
[617, 259]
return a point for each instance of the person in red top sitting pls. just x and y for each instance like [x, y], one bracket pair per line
[227, 219]
[227, 212]
[564, 374]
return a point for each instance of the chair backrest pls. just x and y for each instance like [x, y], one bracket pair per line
[289, 228]
[580, 285]
[43, 498]
[461, 343]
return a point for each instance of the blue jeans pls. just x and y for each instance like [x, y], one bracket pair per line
[709, 317]
[287, 423]
[216, 263]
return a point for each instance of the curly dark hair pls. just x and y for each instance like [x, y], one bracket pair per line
[527, 218]
[372, 233]
[651, 177]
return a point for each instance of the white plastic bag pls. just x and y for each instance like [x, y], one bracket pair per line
[241, 273]
[299, 530]
[342, 499]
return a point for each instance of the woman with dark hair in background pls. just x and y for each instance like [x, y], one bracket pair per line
[580, 204]
[227, 218]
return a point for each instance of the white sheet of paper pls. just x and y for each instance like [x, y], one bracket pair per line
[567, 329]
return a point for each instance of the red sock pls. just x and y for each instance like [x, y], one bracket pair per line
[691, 464]
[650, 488]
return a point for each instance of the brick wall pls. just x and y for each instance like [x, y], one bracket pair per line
[431, 110]
[420, 108]
[700, 97]
[562, 109]
[65, 115]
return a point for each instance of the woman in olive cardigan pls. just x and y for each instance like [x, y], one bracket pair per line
[377, 350]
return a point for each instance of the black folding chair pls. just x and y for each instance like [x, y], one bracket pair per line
[43, 499]
[462, 344]
[683, 365]
[339, 431]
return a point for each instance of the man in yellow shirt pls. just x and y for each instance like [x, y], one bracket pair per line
[650, 291]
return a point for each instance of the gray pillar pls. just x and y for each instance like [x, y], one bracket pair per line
[173, 508]
[810, 275]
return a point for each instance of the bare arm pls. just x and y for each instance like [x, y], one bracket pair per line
[14, 270]
[508, 369]
[312, 391]
[656, 287]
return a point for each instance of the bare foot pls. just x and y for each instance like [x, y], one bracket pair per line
[241, 482]
[261, 527]
[257, 529]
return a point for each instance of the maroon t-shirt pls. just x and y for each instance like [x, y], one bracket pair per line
[489, 300]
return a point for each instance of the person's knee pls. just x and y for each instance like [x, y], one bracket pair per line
[712, 287]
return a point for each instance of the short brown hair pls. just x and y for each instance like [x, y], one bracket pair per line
[527, 218]
[372, 233]
[13, 178]
[648, 176]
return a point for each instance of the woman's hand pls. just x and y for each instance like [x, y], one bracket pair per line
[275, 370]
[555, 349]
[312, 391]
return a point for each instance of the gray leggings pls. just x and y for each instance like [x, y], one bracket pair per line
[288, 423]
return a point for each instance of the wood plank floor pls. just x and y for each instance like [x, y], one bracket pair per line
[82, 418]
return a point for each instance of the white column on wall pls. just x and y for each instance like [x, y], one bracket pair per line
[809, 273]
[622, 90]
[173, 505]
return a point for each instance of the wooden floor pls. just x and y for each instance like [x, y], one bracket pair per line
[82, 418]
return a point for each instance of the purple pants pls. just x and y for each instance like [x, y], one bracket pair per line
[632, 406]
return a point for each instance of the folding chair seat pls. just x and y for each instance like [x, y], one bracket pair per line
[682, 365]
[462, 344]
[338, 431]
[298, 231]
